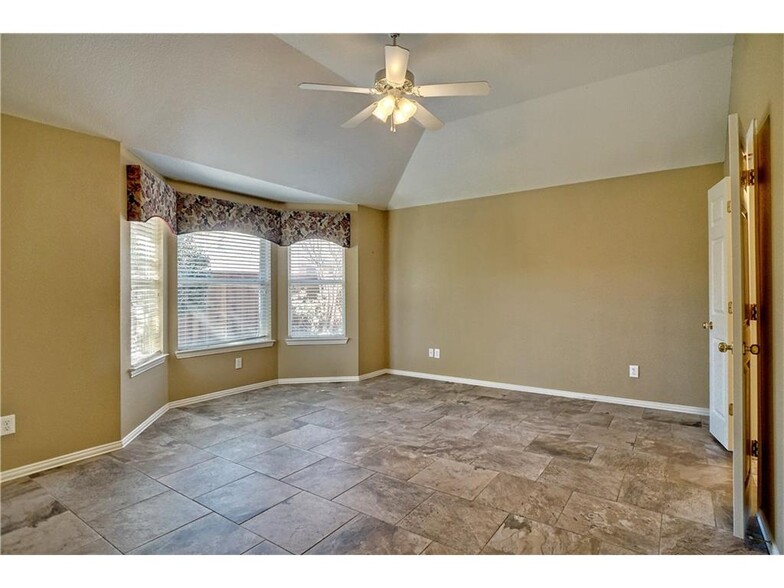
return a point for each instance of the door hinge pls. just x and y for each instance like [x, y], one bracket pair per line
[748, 177]
[752, 313]
[755, 448]
[731, 409]
[729, 205]
[729, 307]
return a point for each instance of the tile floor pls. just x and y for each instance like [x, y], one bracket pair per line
[391, 465]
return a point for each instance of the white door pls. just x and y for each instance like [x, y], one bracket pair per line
[719, 297]
[750, 349]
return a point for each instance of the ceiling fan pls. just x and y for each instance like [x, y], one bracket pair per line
[394, 84]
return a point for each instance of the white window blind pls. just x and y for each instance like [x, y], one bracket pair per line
[223, 289]
[146, 291]
[316, 289]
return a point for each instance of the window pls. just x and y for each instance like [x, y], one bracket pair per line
[316, 290]
[223, 290]
[146, 291]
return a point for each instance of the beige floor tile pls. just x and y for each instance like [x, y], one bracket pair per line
[682, 537]
[453, 477]
[513, 461]
[300, 522]
[328, 477]
[384, 498]
[623, 525]
[135, 525]
[533, 500]
[518, 535]
[282, 461]
[668, 497]
[399, 461]
[583, 477]
[457, 523]
[365, 535]
[559, 447]
[247, 497]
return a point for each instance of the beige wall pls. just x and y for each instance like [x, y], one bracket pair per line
[201, 375]
[60, 290]
[371, 233]
[145, 393]
[757, 91]
[560, 288]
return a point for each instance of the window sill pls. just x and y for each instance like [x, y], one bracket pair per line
[230, 348]
[318, 341]
[147, 365]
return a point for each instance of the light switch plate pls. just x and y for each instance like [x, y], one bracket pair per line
[430, 352]
[437, 353]
[634, 371]
[237, 363]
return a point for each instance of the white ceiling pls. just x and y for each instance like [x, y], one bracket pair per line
[225, 110]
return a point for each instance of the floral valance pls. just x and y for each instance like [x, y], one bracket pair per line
[299, 225]
[149, 196]
[199, 213]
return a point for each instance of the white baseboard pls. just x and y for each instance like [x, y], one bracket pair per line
[552, 392]
[54, 462]
[144, 424]
[319, 380]
[767, 536]
[375, 374]
[220, 394]
[61, 460]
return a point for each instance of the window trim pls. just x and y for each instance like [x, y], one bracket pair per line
[317, 340]
[149, 362]
[227, 347]
[310, 339]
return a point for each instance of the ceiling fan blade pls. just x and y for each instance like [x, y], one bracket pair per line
[427, 119]
[360, 117]
[396, 64]
[454, 89]
[331, 88]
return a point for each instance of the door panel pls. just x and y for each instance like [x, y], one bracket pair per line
[720, 275]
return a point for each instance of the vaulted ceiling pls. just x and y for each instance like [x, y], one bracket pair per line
[225, 111]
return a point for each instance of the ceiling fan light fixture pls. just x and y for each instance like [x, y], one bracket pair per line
[404, 111]
[384, 108]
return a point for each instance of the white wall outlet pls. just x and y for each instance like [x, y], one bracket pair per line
[634, 371]
[8, 426]
[430, 352]
[437, 353]
[237, 363]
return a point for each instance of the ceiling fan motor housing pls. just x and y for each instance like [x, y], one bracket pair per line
[383, 85]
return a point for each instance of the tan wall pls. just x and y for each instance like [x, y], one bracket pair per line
[60, 290]
[560, 288]
[145, 393]
[195, 376]
[757, 91]
[371, 232]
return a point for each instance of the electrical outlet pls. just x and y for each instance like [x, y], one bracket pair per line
[8, 426]
[430, 352]
[437, 353]
[634, 371]
[237, 363]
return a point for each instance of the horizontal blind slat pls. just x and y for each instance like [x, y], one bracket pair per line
[316, 289]
[223, 293]
[146, 272]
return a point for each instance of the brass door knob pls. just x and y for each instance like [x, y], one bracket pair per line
[707, 325]
[725, 347]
